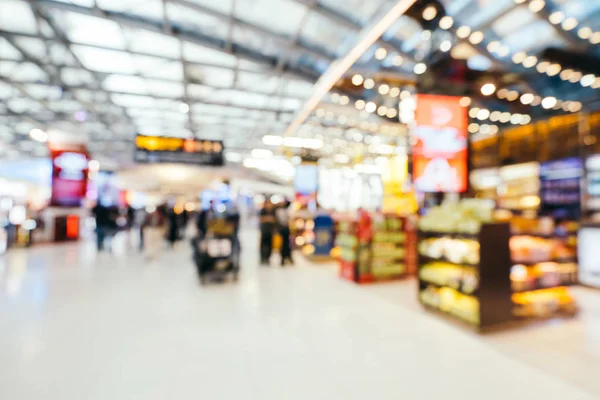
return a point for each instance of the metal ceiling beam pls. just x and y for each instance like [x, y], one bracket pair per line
[570, 37]
[176, 31]
[268, 68]
[281, 38]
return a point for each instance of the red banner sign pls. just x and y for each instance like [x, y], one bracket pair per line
[69, 174]
[440, 150]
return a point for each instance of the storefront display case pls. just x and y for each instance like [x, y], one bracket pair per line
[519, 187]
[588, 251]
[376, 247]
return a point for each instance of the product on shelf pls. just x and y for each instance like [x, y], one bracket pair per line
[543, 303]
[465, 216]
[452, 302]
[456, 277]
[456, 250]
[542, 275]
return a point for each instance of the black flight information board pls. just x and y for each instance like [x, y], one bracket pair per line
[156, 149]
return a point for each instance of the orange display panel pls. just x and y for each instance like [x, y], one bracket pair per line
[440, 149]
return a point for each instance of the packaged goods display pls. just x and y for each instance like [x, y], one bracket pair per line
[465, 216]
[544, 303]
[375, 247]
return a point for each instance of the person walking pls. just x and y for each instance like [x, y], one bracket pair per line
[153, 229]
[283, 221]
[267, 226]
[102, 217]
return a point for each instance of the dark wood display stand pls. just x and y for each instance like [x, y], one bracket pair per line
[494, 290]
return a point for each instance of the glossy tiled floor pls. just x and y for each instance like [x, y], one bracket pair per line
[76, 325]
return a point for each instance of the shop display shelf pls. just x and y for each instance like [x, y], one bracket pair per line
[571, 260]
[424, 260]
[424, 283]
[451, 235]
[540, 287]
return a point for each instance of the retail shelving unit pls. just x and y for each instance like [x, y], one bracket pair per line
[384, 250]
[483, 304]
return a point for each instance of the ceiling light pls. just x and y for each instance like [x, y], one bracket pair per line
[359, 104]
[504, 117]
[519, 57]
[596, 84]
[485, 128]
[542, 67]
[575, 106]
[566, 74]
[445, 46]
[426, 34]
[463, 32]
[261, 153]
[334, 97]
[483, 114]
[575, 76]
[537, 100]
[558, 104]
[38, 135]
[465, 101]
[502, 93]
[184, 108]
[394, 92]
[382, 110]
[392, 113]
[525, 119]
[369, 83]
[493, 46]
[320, 112]
[357, 80]
[527, 98]
[515, 119]
[473, 112]
[569, 24]
[585, 32]
[420, 68]
[370, 107]
[476, 37]
[495, 116]
[383, 89]
[405, 94]
[381, 53]
[493, 129]
[537, 5]
[587, 80]
[446, 22]
[529, 61]
[512, 95]
[473, 128]
[344, 100]
[429, 13]
[595, 39]
[549, 102]
[398, 60]
[342, 119]
[488, 89]
[503, 51]
[556, 17]
[553, 69]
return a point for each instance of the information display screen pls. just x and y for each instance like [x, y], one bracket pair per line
[154, 149]
[560, 188]
[587, 249]
[306, 179]
[440, 148]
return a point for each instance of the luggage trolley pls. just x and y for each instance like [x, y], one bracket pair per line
[217, 253]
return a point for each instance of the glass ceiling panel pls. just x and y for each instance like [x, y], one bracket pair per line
[282, 16]
[325, 32]
[145, 8]
[534, 38]
[360, 10]
[85, 29]
[165, 89]
[22, 72]
[83, 3]
[60, 55]
[513, 21]
[34, 47]
[266, 45]
[125, 83]
[143, 41]
[212, 76]
[298, 88]
[101, 60]
[16, 16]
[171, 70]
[201, 54]
[42, 92]
[258, 82]
[199, 91]
[483, 11]
[8, 52]
[196, 21]
[223, 6]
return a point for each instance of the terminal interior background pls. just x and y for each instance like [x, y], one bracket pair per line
[442, 162]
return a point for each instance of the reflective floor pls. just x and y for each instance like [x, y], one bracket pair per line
[76, 325]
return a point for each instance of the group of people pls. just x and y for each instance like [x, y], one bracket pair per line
[275, 219]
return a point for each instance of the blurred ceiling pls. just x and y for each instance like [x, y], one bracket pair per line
[237, 70]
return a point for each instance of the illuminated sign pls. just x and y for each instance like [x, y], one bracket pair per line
[69, 174]
[440, 149]
[153, 149]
